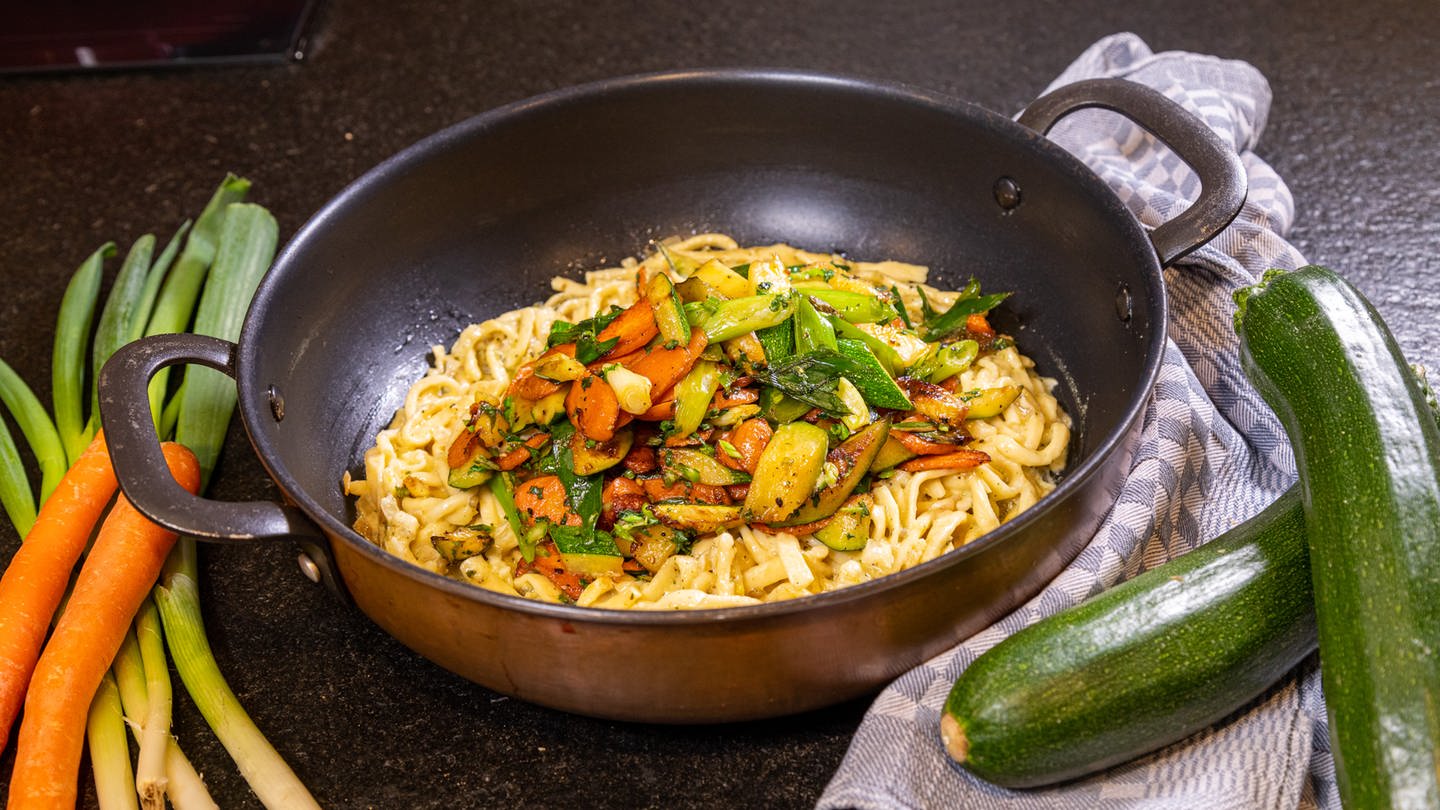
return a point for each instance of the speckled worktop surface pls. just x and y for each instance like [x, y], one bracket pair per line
[365, 722]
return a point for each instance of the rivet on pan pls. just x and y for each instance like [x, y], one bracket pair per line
[308, 567]
[1007, 194]
[277, 403]
[1123, 303]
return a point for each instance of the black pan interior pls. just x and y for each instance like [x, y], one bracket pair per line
[476, 220]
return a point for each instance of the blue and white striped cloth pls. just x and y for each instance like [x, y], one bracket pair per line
[1211, 455]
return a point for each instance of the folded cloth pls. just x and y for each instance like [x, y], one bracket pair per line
[1211, 455]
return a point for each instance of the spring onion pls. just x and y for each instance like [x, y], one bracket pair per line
[176, 301]
[184, 787]
[246, 247]
[35, 425]
[15, 493]
[269, 776]
[118, 314]
[72, 337]
[109, 751]
[150, 775]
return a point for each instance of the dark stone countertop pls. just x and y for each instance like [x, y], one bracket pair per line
[366, 723]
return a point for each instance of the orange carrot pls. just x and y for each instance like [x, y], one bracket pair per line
[958, 460]
[35, 581]
[633, 328]
[119, 572]
[665, 367]
[593, 408]
[519, 454]
[544, 497]
[532, 388]
[749, 439]
[921, 446]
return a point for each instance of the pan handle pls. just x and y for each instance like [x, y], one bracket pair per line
[1223, 182]
[140, 465]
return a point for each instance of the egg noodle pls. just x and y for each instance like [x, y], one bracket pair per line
[404, 500]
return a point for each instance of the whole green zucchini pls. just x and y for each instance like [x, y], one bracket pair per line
[1141, 665]
[1368, 451]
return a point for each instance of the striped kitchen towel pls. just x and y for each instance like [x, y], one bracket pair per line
[1211, 455]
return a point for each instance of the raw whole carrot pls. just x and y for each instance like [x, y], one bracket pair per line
[119, 572]
[34, 583]
[593, 408]
[958, 460]
[634, 328]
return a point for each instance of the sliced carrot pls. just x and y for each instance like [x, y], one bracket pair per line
[528, 386]
[519, 454]
[634, 328]
[977, 324]
[549, 562]
[641, 459]
[34, 583]
[464, 445]
[544, 497]
[958, 460]
[736, 396]
[621, 494]
[921, 446]
[662, 410]
[593, 408]
[665, 367]
[119, 572]
[749, 439]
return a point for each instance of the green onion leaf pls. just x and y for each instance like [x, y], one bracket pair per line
[117, 316]
[175, 306]
[72, 341]
[15, 493]
[35, 425]
[109, 750]
[246, 248]
[271, 779]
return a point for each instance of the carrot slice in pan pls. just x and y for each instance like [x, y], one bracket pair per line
[593, 408]
[958, 460]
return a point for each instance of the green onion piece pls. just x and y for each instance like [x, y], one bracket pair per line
[145, 305]
[15, 493]
[117, 316]
[34, 423]
[72, 338]
[812, 330]
[247, 246]
[735, 317]
[184, 787]
[175, 305]
[109, 750]
[503, 488]
[855, 307]
[941, 325]
[900, 307]
[268, 774]
[693, 395]
[150, 774]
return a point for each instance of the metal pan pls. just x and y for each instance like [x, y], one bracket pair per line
[475, 220]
